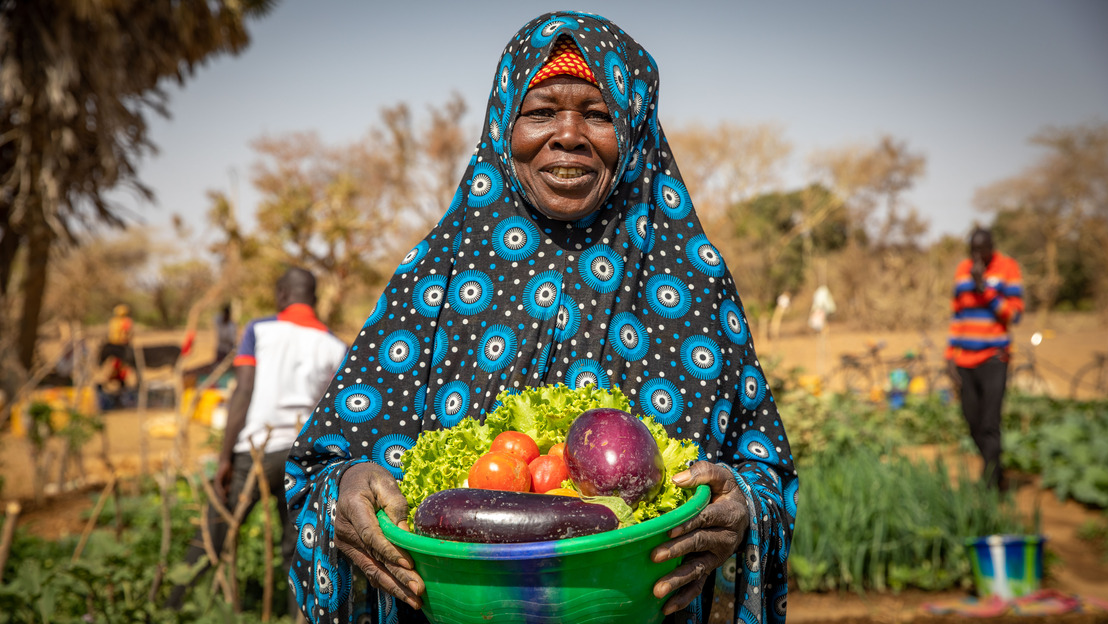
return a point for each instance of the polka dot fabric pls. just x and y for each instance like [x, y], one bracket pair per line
[498, 297]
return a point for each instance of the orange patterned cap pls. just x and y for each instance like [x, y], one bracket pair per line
[565, 58]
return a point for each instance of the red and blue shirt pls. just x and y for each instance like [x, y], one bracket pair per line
[981, 320]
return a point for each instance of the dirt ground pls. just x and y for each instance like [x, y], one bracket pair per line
[1071, 341]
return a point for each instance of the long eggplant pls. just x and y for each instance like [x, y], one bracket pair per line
[498, 517]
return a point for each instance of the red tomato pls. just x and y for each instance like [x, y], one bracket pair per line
[547, 473]
[516, 443]
[500, 471]
[558, 450]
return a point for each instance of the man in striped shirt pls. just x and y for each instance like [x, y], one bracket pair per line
[988, 300]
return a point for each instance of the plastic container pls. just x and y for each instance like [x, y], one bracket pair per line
[604, 578]
[1007, 566]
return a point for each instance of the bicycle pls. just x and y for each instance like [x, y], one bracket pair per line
[870, 373]
[1092, 376]
[1025, 377]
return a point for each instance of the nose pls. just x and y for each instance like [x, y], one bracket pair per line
[569, 131]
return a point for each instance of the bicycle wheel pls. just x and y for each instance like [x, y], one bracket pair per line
[854, 379]
[1026, 380]
[939, 384]
[1092, 377]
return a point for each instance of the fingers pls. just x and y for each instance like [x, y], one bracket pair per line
[715, 476]
[387, 578]
[687, 580]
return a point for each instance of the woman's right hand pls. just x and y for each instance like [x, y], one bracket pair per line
[363, 489]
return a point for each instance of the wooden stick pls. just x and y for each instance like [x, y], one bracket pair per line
[11, 514]
[167, 533]
[258, 455]
[95, 517]
[144, 438]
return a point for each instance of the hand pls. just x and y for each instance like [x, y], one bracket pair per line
[977, 272]
[363, 490]
[222, 481]
[705, 541]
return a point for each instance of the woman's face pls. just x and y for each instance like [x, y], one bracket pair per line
[564, 147]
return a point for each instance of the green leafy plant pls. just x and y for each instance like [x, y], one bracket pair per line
[880, 521]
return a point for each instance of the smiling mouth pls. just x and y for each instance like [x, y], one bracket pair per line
[567, 173]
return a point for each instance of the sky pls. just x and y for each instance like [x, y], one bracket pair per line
[964, 83]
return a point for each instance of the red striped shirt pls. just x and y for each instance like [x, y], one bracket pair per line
[980, 320]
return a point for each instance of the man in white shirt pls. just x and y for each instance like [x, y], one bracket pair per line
[283, 365]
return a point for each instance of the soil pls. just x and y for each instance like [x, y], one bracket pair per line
[1078, 568]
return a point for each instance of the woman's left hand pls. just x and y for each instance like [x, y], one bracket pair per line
[706, 540]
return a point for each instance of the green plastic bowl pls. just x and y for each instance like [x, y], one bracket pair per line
[603, 578]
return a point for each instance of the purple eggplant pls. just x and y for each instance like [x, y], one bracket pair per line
[499, 517]
[611, 453]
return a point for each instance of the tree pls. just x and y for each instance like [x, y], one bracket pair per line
[1057, 205]
[77, 80]
[347, 212]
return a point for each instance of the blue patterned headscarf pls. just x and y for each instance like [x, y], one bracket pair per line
[499, 297]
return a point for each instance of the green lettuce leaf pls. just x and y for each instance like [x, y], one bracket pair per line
[441, 459]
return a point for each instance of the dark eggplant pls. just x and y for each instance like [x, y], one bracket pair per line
[499, 517]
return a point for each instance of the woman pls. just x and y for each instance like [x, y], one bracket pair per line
[570, 253]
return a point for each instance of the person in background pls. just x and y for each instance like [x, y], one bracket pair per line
[226, 334]
[987, 301]
[120, 332]
[571, 253]
[283, 365]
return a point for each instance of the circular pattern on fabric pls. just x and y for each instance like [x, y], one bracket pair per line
[540, 297]
[295, 479]
[442, 344]
[628, 337]
[332, 444]
[452, 403]
[639, 228]
[616, 75]
[668, 296]
[543, 34]
[413, 257]
[308, 536]
[671, 196]
[332, 584]
[704, 256]
[752, 561]
[753, 387]
[389, 450]
[634, 164]
[567, 320]
[792, 496]
[601, 268]
[515, 238]
[701, 357]
[584, 372]
[727, 574]
[399, 351]
[781, 599]
[498, 348]
[756, 446]
[721, 416]
[639, 94]
[734, 323]
[470, 292]
[378, 312]
[659, 398]
[504, 89]
[358, 403]
[486, 185]
[429, 294]
[496, 131]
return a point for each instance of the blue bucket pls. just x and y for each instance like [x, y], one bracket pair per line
[1007, 566]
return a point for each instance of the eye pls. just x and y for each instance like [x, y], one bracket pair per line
[599, 115]
[538, 113]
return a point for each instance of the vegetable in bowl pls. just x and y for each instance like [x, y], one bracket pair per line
[441, 458]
